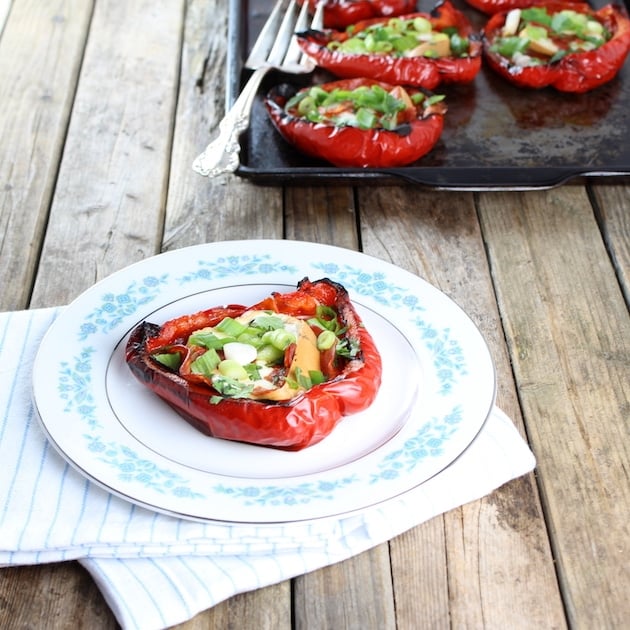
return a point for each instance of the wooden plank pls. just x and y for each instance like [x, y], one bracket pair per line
[52, 596]
[41, 49]
[420, 577]
[110, 193]
[201, 210]
[494, 546]
[356, 593]
[568, 331]
[612, 206]
[264, 609]
[106, 211]
[321, 215]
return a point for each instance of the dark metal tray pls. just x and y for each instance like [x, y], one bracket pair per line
[495, 137]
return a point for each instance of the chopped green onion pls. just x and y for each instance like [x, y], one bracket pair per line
[232, 369]
[171, 360]
[316, 377]
[205, 364]
[397, 37]
[327, 317]
[422, 25]
[536, 14]
[326, 339]
[365, 118]
[459, 45]
[279, 338]
[301, 380]
[208, 339]
[270, 355]
[417, 98]
[231, 327]
[252, 336]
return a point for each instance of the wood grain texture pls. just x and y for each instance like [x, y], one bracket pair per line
[107, 210]
[201, 210]
[106, 105]
[265, 609]
[321, 215]
[612, 203]
[107, 206]
[494, 546]
[569, 336]
[40, 55]
[420, 577]
[61, 596]
[356, 593]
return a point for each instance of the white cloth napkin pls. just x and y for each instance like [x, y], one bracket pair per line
[49, 512]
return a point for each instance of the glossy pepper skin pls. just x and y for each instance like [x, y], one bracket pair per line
[576, 72]
[341, 13]
[290, 425]
[491, 7]
[352, 146]
[416, 71]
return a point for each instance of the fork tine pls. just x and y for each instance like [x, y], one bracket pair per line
[287, 28]
[294, 52]
[267, 37]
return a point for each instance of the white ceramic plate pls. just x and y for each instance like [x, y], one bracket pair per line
[438, 388]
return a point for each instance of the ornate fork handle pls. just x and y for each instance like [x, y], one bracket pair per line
[222, 154]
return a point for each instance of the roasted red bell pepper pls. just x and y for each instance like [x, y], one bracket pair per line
[564, 45]
[497, 6]
[312, 363]
[332, 122]
[419, 49]
[341, 13]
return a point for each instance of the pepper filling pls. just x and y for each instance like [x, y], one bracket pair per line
[263, 355]
[365, 107]
[398, 37]
[533, 36]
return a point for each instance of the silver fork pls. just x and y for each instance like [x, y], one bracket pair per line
[276, 47]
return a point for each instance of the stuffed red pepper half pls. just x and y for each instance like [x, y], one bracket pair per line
[564, 45]
[281, 373]
[341, 13]
[358, 122]
[419, 49]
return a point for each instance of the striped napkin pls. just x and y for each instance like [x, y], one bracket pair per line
[49, 512]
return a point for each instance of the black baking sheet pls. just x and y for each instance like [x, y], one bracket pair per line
[496, 136]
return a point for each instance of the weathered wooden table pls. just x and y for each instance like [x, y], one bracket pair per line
[105, 103]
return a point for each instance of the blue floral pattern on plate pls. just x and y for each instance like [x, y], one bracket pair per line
[120, 305]
[133, 468]
[116, 307]
[229, 266]
[74, 383]
[287, 494]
